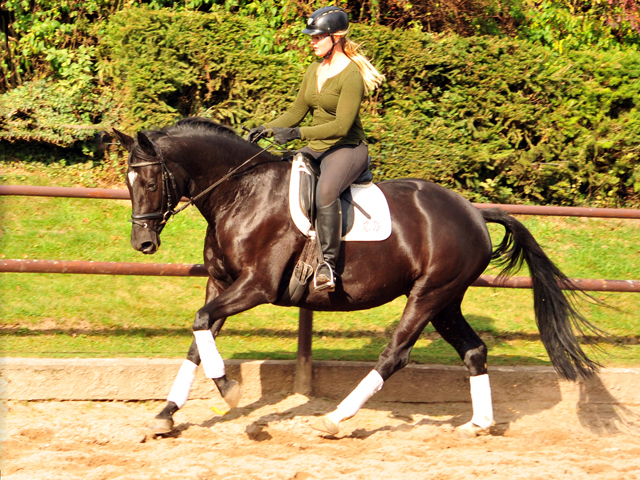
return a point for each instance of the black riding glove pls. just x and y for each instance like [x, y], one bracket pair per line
[285, 135]
[256, 133]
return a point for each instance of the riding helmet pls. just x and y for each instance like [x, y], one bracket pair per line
[327, 20]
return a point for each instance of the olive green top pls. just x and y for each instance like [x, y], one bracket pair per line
[335, 109]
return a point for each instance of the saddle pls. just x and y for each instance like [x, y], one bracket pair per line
[365, 212]
[365, 215]
[307, 192]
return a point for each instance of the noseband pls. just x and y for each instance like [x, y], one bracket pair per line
[167, 176]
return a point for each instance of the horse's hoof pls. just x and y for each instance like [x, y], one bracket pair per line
[233, 395]
[470, 430]
[326, 425]
[161, 426]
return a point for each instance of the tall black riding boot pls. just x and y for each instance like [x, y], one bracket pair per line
[329, 232]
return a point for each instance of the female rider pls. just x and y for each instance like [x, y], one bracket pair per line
[332, 89]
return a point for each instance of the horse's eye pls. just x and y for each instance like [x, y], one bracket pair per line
[152, 187]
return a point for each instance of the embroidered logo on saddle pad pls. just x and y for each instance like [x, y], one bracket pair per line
[365, 211]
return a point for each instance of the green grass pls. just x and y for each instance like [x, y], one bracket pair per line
[49, 315]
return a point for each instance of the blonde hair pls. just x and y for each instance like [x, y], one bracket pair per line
[370, 76]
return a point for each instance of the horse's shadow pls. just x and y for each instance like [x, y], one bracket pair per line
[257, 429]
[600, 412]
[517, 394]
[597, 410]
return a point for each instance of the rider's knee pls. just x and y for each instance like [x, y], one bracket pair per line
[324, 198]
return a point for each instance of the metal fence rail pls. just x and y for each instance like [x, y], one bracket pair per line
[199, 270]
[305, 327]
[121, 194]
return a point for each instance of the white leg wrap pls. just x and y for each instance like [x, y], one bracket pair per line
[211, 360]
[363, 392]
[180, 391]
[481, 401]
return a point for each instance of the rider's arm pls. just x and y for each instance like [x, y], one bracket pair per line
[351, 96]
[297, 112]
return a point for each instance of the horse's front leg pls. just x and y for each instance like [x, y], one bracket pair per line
[163, 422]
[179, 394]
[242, 295]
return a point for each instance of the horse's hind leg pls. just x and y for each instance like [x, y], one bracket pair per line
[420, 309]
[454, 329]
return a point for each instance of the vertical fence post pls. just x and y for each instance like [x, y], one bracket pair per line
[304, 370]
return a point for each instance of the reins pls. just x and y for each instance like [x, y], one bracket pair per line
[211, 187]
[138, 219]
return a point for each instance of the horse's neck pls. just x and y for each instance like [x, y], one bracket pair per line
[203, 161]
[244, 198]
[208, 165]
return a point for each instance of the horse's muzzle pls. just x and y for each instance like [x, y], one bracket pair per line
[145, 240]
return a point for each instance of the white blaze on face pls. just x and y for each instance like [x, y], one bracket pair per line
[132, 177]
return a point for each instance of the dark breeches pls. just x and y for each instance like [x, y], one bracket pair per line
[339, 168]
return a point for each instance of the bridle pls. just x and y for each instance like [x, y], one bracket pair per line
[169, 179]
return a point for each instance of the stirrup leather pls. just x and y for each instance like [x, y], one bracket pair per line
[331, 284]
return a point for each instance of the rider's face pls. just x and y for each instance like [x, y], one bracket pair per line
[321, 44]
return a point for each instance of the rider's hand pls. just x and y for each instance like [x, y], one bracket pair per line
[256, 134]
[285, 135]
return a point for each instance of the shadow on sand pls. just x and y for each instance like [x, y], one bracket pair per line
[435, 396]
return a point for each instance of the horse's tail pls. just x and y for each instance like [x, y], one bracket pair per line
[556, 315]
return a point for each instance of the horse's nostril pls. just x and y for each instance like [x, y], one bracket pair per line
[147, 247]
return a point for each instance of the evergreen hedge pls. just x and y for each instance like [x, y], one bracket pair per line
[497, 119]
[506, 121]
[170, 64]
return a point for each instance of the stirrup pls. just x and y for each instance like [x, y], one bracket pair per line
[329, 285]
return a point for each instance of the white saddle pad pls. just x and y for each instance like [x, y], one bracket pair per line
[367, 196]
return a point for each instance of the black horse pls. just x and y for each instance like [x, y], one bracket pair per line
[439, 245]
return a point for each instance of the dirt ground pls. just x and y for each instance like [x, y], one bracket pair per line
[271, 439]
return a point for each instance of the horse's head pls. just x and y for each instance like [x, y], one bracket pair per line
[194, 155]
[152, 188]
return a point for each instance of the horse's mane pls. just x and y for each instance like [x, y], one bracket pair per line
[204, 127]
[193, 126]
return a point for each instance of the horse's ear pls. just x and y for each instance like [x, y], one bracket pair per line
[145, 144]
[125, 140]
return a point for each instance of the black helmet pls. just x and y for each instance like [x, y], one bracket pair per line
[327, 20]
